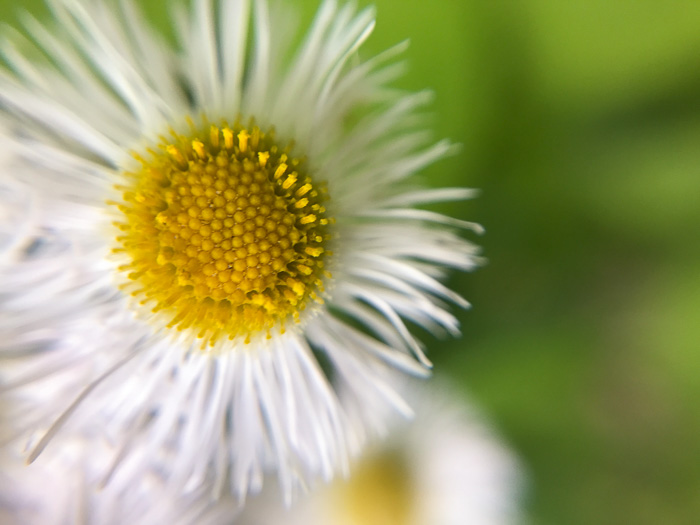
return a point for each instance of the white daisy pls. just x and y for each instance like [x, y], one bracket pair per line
[203, 224]
[446, 467]
[64, 488]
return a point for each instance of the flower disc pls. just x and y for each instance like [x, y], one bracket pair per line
[225, 233]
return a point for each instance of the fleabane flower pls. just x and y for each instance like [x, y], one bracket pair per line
[445, 467]
[223, 236]
[64, 487]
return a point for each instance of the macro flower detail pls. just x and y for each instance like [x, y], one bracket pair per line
[223, 246]
[224, 233]
[71, 477]
[446, 467]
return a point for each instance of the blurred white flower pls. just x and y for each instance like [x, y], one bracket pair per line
[447, 467]
[63, 488]
[203, 224]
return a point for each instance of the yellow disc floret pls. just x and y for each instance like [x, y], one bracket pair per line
[224, 232]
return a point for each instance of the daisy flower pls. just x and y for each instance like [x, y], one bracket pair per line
[63, 488]
[209, 241]
[446, 467]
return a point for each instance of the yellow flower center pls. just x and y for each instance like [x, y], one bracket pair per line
[379, 492]
[224, 232]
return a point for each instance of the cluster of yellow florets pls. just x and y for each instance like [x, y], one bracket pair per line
[224, 232]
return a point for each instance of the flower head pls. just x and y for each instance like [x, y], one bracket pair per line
[64, 487]
[446, 467]
[209, 223]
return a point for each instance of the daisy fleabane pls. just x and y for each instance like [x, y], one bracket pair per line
[207, 227]
[445, 467]
[64, 488]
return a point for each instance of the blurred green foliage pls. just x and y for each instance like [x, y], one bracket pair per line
[580, 122]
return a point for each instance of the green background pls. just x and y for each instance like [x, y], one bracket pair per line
[580, 122]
